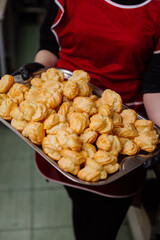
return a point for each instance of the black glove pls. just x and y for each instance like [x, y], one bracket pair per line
[27, 70]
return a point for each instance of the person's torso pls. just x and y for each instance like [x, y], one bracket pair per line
[111, 41]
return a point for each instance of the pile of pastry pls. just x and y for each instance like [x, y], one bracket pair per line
[83, 133]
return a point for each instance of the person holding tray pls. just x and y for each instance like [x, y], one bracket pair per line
[118, 43]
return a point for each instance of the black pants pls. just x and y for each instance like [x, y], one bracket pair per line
[96, 217]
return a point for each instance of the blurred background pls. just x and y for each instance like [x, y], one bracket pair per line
[30, 207]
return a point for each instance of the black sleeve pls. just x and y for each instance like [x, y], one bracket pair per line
[47, 38]
[151, 80]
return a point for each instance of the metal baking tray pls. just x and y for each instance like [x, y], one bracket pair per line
[127, 164]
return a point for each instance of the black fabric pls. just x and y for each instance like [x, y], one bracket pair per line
[151, 79]
[128, 2]
[97, 217]
[47, 38]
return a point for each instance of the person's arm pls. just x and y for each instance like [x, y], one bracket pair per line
[49, 48]
[151, 89]
[152, 106]
[47, 58]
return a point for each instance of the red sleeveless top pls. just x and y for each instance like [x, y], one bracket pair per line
[112, 42]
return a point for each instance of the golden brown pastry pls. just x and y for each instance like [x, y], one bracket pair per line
[51, 147]
[85, 104]
[2, 96]
[128, 131]
[78, 121]
[80, 74]
[69, 139]
[5, 83]
[6, 107]
[105, 110]
[53, 120]
[144, 125]
[35, 132]
[101, 124]
[111, 168]
[84, 89]
[70, 89]
[17, 91]
[41, 95]
[109, 143]
[103, 157]
[128, 116]
[89, 149]
[19, 124]
[88, 136]
[58, 127]
[117, 119]
[71, 161]
[53, 74]
[33, 111]
[92, 171]
[37, 82]
[129, 147]
[65, 109]
[113, 99]
[147, 140]
[16, 113]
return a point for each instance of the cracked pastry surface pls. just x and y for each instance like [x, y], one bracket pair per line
[85, 104]
[109, 143]
[35, 132]
[92, 171]
[129, 147]
[88, 136]
[128, 131]
[147, 140]
[5, 83]
[17, 91]
[128, 116]
[101, 124]
[51, 147]
[78, 121]
[19, 124]
[143, 125]
[7, 104]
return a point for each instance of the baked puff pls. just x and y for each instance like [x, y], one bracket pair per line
[69, 139]
[53, 120]
[41, 95]
[111, 168]
[113, 99]
[80, 74]
[58, 127]
[53, 74]
[33, 111]
[89, 150]
[117, 120]
[101, 124]
[109, 143]
[5, 83]
[142, 125]
[2, 96]
[129, 147]
[70, 89]
[37, 82]
[103, 157]
[35, 132]
[51, 147]
[78, 121]
[71, 161]
[92, 171]
[147, 140]
[88, 136]
[128, 116]
[17, 113]
[84, 89]
[6, 107]
[65, 109]
[85, 104]
[19, 124]
[105, 110]
[128, 131]
[17, 91]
